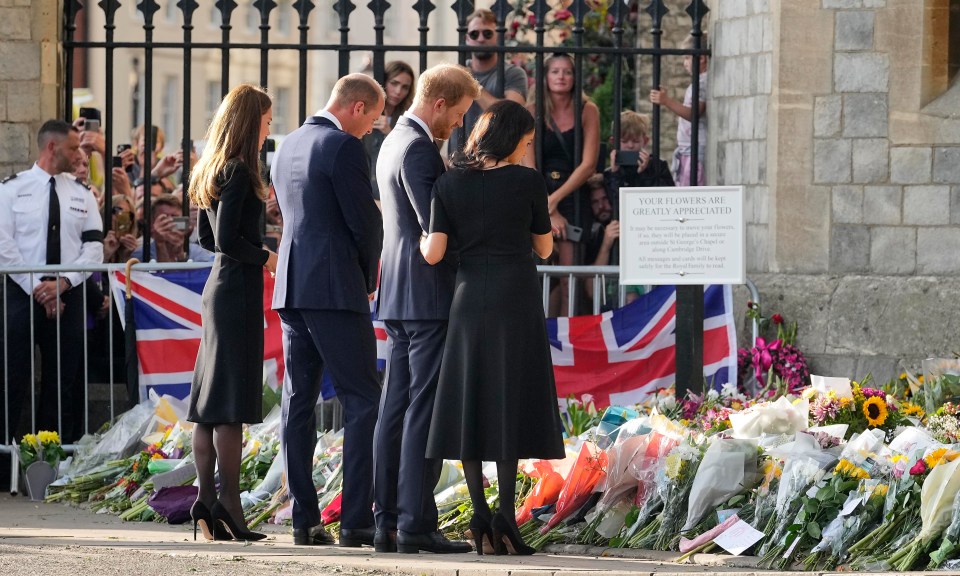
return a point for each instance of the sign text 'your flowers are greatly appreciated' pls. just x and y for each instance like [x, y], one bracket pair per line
[682, 235]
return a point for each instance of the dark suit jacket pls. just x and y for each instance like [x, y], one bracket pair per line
[331, 226]
[410, 289]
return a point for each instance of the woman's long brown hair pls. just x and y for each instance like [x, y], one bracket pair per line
[234, 134]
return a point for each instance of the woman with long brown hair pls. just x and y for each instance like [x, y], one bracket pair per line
[565, 174]
[227, 383]
[399, 85]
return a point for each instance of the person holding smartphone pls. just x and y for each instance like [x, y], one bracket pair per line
[168, 228]
[631, 165]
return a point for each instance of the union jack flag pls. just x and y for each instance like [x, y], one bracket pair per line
[621, 356]
[166, 308]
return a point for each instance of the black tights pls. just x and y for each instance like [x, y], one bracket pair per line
[506, 482]
[219, 446]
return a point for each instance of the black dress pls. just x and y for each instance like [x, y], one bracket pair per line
[228, 378]
[558, 164]
[496, 398]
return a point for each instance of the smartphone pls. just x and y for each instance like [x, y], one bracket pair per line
[180, 222]
[122, 223]
[117, 162]
[628, 157]
[91, 125]
[574, 233]
[121, 148]
[271, 145]
[90, 114]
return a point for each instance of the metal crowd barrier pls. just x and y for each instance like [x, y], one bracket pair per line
[330, 413]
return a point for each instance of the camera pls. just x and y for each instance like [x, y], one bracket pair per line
[180, 222]
[574, 233]
[121, 148]
[628, 157]
[91, 125]
[117, 162]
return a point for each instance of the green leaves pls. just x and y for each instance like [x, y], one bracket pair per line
[813, 530]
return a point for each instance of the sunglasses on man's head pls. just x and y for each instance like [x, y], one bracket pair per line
[475, 34]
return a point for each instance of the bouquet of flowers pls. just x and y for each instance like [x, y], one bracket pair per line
[729, 467]
[944, 424]
[941, 382]
[862, 510]
[673, 486]
[773, 367]
[936, 503]
[44, 446]
[951, 538]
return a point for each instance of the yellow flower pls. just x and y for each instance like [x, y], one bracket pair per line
[896, 458]
[736, 405]
[920, 378]
[45, 437]
[903, 375]
[939, 456]
[30, 439]
[875, 410]
[674, 464]
[880, 491]
[157, 456]
[809, 393]
[911, 409]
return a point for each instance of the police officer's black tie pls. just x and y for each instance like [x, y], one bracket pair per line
[53, 226]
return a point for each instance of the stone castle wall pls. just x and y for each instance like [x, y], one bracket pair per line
[29, 77]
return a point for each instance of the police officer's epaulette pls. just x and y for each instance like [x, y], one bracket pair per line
[82, 183]
[8, 178]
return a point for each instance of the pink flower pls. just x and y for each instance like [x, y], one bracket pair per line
[919, 468]
[563, 14]
[763, 356]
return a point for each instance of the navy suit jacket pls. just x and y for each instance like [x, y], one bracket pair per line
[331, 226]
[410, 289]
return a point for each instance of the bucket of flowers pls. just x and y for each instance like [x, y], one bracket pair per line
[40, 456]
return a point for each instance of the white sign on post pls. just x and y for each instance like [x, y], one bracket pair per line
[682, 235]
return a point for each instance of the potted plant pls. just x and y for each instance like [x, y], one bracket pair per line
[40, 456]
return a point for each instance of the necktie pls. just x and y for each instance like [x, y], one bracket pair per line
[53, 226]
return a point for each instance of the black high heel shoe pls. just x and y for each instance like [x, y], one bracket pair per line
[204, 519]
[480, 529]
[224, 520]
[502, 527]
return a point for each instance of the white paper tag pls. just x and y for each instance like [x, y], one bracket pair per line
[850, 506]
[792, 546]
[738, 538]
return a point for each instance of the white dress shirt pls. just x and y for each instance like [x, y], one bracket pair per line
[24, 215]
[336, 121]
[417, 119]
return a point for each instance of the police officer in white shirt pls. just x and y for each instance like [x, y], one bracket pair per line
[48, 217]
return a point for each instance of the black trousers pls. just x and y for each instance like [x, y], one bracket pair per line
[60, 405]
[404, 479]
[344, 343]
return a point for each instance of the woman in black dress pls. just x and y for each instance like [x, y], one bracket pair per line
[227, 384]
[564, 172]
[496, 398]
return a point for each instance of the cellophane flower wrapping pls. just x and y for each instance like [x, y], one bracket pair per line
[729, 467]
[805, 462]
[121, 441]
[578, 485]
[673, 487]
[950, 543]
[941, 382]
[778, 417]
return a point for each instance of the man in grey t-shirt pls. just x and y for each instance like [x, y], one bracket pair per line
[482, 31]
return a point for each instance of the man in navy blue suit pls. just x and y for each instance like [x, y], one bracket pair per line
[414, 303]
[326, 276]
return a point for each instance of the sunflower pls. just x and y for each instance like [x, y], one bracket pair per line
[875, 410]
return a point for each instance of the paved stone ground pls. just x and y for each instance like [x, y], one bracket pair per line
[38, 539]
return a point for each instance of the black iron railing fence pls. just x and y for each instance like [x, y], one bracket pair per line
[619, 16]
